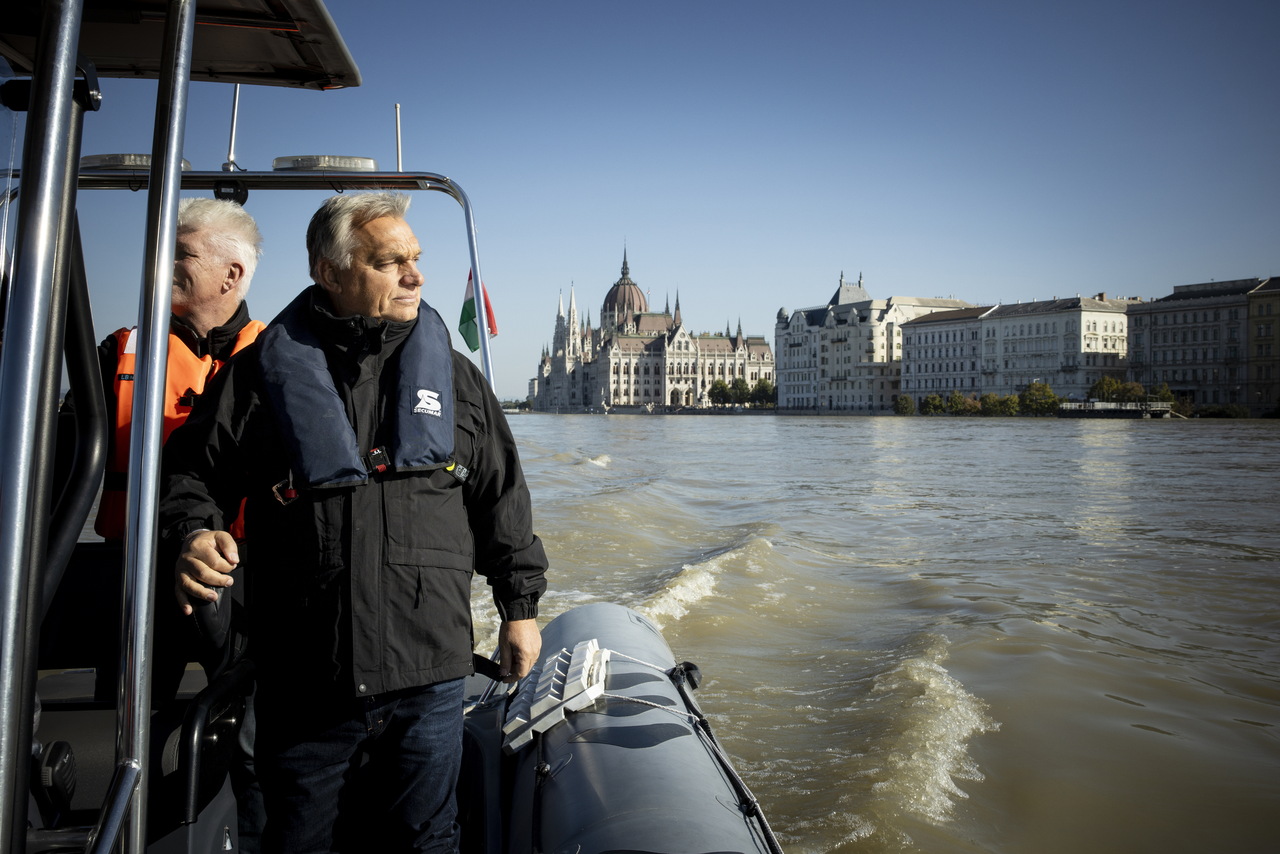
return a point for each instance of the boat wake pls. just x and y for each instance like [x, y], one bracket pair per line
[921, 760]
[890, 723]
[679, 592]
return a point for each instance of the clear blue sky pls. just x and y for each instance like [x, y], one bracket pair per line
[748, 152]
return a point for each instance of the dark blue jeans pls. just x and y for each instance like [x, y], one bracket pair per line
[373, 774]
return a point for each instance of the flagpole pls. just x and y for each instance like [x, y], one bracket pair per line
[482, 312]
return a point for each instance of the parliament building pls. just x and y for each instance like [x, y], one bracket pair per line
[637, 358]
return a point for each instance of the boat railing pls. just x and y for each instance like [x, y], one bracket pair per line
[236, 185]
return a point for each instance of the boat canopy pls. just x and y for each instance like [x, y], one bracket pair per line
[290, 43]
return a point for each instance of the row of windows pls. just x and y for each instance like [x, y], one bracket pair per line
[941, 383]
[949, 337]
[1031, 329]
[626, 381]
[1039, 345]
[1188, 317]
[940, 368]
[941, 352]
[682, 368]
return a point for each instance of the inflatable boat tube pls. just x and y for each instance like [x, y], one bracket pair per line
[622, 759]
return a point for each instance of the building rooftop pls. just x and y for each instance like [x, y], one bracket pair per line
[1099, 303]
[1205, 290]
[948, 315]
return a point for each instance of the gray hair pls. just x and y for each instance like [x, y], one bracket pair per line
[331, 234]
[229, 231]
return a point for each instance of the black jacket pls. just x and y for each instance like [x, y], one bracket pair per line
[364, 589]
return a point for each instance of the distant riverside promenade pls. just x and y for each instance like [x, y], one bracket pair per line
[1111, 409]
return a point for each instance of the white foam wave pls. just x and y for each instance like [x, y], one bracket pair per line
[696, 582]
[935, 719]
[691, 585]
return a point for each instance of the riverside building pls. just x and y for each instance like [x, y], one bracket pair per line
[1264, 347]
[942, 353]
[1197, 339]
[1066, 343]
[640, 358]
[845, 356]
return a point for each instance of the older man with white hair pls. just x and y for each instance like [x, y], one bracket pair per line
[217, 250]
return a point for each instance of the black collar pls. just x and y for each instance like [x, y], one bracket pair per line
[221, 340]
[354, 333]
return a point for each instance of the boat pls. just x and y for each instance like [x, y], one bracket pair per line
[601, 748]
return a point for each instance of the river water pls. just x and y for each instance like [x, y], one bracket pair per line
[950, 635]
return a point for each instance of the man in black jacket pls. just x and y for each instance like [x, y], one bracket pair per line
[379, 474]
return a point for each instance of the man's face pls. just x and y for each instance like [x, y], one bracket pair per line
[384, 280]
[199, 277]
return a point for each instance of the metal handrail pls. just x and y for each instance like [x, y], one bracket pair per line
[26, 334]
[134, 701]
[227, 183]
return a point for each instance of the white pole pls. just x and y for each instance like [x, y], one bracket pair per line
[399, 163]
[230, 165]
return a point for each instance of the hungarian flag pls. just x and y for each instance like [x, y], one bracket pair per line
[467, 324]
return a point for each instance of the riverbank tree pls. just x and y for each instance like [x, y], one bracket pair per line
[959, 404]
[932, 404]
[764, 394]
[992, 405]
[1038, 399]
[1111, 389]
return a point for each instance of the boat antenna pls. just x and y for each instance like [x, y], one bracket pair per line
[231, 165]
[399, 163]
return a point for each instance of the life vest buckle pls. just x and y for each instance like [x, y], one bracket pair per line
[377, 461]
[284, 491]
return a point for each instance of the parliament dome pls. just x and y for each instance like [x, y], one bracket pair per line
[625, 299]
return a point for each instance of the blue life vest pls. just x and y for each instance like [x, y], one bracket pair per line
[314, 421]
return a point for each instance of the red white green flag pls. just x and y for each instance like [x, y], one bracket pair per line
[467, 324]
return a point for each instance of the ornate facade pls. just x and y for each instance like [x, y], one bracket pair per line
[846, 356]
[639, 358]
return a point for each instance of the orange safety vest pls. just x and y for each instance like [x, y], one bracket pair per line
[185, 379]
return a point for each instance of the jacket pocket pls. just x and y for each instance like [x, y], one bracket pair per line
[426, 521]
